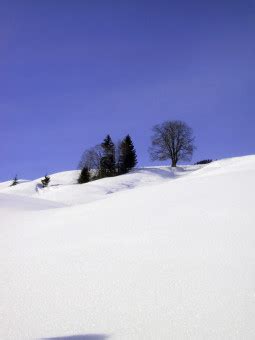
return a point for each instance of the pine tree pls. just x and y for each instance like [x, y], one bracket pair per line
[15, 181]
[128, 158]
[45, 181]
[107, 162]
[84, 176]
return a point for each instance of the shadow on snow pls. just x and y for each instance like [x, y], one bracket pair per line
[80, 337]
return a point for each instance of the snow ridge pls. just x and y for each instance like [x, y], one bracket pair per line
[154, 254]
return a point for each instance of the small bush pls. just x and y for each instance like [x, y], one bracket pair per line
[15, 181]
[204, 161]
[45, 181]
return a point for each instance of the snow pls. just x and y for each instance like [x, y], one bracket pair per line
[16, 202]
[154, 254]
[64, 188]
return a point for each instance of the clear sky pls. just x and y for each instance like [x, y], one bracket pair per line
[73, 71]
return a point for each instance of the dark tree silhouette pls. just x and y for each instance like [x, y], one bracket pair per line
[118, 156]
[91, 159]
[172, 140]
[204, 161]
[127, 156]
[45, 181]
[107, 162]
[84, 176]
[15, 181]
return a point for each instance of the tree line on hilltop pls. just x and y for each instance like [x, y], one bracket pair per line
[171, 140]
[107, 159]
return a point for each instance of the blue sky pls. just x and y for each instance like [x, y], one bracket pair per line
[73, 71]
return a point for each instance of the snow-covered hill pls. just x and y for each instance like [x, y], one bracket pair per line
[172, 258]
[64, 188]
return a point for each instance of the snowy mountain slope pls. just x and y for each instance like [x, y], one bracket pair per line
[14, 202]
[64, 188]
[30, 188]
[6, 184]
[172, 260]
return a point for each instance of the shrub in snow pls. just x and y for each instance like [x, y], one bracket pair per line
[15, 181]
[45, 181]
[204, 161]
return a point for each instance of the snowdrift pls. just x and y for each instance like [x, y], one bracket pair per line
[172, 258]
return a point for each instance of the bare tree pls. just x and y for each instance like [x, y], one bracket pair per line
[91, 159]
[172, 140]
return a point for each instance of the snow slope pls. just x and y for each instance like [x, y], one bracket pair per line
[15, 202]
[64, 188]
[173, 258]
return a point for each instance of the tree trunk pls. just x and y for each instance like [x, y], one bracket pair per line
[173, 163]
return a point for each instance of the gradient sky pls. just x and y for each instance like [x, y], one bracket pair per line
[73, 71]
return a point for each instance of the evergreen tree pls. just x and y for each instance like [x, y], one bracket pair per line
[84, 176]
[128, 158]
[45, 181]
[107, 162]
[15, 181]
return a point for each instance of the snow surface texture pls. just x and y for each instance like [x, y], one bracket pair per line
[172, 258]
